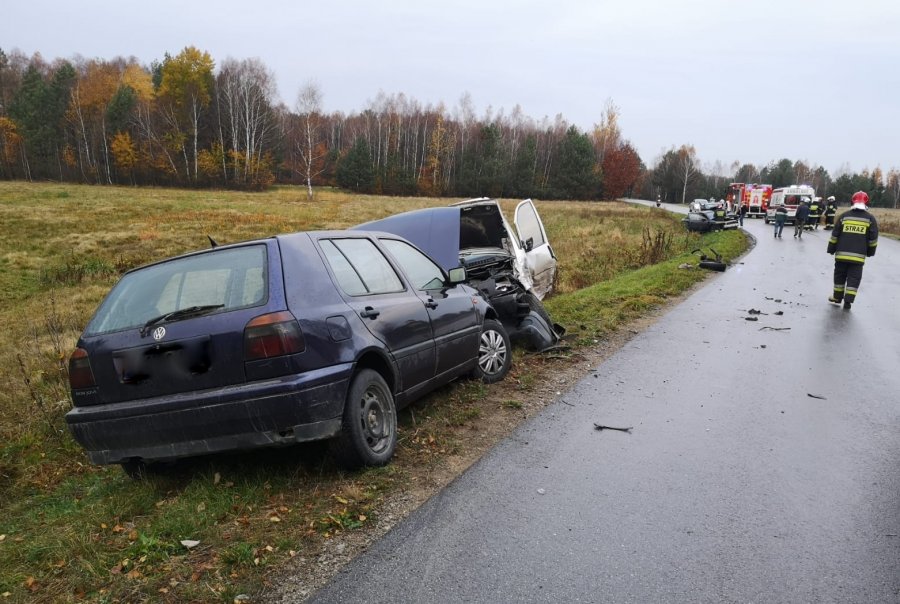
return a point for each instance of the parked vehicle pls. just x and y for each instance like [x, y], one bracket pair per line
[513, 269]
[789, 197]
[299, 337]
[754, 197]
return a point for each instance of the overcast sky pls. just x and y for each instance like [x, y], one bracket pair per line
[749, 80]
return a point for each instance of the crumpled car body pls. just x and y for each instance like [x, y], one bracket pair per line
[513, 269]
[704, 221]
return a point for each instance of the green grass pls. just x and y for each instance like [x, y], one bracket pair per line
[598, 309]
[72, 531]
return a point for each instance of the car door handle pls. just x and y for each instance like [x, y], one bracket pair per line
[369, 313]
[430, 303]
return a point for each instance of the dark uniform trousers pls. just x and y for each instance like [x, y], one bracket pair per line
[849, 273]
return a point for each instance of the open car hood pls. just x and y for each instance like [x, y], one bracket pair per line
[443, 233]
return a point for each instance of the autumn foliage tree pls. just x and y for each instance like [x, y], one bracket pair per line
[185, 91]
[621, 170]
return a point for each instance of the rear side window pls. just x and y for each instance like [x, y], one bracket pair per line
[233, 278]
[360, 267]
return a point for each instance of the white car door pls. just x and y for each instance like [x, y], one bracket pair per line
[538, 253]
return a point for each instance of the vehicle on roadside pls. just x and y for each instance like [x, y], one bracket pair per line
[710, 216]
[754, 197]
[513, 269]
[789, 197]
[298, 337]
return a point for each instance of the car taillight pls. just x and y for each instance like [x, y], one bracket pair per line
[81, 375]
[272, 335]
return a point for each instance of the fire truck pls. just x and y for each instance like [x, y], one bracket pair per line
[788, 197]
[755, 197]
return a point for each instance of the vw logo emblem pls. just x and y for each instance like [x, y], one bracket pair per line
[159, 333]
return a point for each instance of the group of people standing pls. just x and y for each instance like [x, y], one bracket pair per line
[808, 216]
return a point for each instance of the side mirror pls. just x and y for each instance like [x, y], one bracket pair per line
[457, 275]
[529, 244]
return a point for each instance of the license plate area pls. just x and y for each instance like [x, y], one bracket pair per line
[172, 361]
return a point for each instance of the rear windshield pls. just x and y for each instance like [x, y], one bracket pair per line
[481, 226]
[233, 278]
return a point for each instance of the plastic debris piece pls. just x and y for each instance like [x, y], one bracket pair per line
[602, 427]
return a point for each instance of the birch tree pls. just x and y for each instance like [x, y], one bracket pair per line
[245, 96]
[607, 136]
[687, 168]
[309, 108]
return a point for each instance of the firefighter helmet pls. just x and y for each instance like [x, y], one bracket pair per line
[831, 198]
[804, 199]
[860, 197]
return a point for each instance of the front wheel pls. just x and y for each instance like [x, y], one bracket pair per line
[369, 430]
[494, 353]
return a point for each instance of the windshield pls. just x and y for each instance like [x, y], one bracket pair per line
[215, 281]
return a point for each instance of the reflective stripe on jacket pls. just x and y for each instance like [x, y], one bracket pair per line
[854, 237]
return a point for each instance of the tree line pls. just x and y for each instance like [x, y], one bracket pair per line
[184, 121]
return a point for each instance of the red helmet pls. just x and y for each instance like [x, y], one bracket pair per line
[860, 197]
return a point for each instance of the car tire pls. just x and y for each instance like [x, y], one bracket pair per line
[368, 434]
[538, 307]
[494, 353]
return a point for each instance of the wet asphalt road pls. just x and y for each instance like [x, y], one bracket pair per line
[734, 486]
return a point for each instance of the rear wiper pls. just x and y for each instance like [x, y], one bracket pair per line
[184, 313]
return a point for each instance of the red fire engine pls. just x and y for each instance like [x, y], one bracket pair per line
[755, 197]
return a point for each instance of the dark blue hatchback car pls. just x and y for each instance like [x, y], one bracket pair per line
[299, 337]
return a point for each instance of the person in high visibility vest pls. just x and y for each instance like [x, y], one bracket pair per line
[812, 221]
[830, 211]
[854, 238]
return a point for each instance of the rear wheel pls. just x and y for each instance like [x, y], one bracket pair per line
[369, 431]
[494, 353]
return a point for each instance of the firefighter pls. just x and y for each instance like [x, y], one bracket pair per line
[719, 214]
[830, 211]
[854, 238]
[814, 208]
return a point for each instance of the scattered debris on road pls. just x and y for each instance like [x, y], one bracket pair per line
[602, 427]
[816, 396]
[751, 318]
[774, 328]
